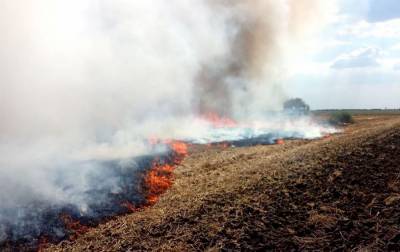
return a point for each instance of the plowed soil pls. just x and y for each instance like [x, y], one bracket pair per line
[337, 193]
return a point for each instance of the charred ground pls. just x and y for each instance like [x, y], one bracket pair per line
[342, 192]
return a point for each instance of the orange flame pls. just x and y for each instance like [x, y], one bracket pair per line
[219, 121]
[279, 141]
[160, 176]
[159, 179]
[180, 148]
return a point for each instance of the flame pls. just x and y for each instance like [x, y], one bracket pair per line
[180, 148]
[160, 176]
[159, 179]
[219, 121]
[279, 141]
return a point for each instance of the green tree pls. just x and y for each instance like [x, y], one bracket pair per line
[296, 106]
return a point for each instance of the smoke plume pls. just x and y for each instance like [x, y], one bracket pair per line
[83, 81]
[247, 76]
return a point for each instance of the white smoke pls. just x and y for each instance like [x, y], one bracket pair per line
[90, 80]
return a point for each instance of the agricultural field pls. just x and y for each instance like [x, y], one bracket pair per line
[209, 125]
[338, 192]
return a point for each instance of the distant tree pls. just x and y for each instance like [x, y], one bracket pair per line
[296, 106]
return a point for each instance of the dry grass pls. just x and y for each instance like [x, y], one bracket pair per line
[299, 195]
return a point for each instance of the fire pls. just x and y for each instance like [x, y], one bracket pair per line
[159, 179]
[279, 141]
[179, 147]
[219, 121]
[74, 226]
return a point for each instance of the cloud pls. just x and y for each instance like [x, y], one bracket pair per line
[364, 29]
[363, 57]
[356, 63]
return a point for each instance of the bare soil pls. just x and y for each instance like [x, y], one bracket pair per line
[338, 193]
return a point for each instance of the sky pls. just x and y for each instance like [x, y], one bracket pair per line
[354, 61]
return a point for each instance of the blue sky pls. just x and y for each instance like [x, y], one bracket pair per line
[355, 60]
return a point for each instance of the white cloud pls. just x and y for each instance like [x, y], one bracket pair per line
[362, 57]
[356, 63]
[364, 29]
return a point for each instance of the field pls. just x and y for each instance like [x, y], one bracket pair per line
[365, 112]
[340, 192]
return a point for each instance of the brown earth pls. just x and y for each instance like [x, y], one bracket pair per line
[342, 192]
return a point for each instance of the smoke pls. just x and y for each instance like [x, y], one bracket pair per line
[91, 80]
[259, 32]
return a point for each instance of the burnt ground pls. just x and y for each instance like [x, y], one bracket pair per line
[339, 193]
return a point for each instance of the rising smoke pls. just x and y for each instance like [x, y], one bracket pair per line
[247, 77]
[90, 80]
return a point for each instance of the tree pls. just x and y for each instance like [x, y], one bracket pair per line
[341, 118]
[296, 106]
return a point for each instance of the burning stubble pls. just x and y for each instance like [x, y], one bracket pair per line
[83, 84]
